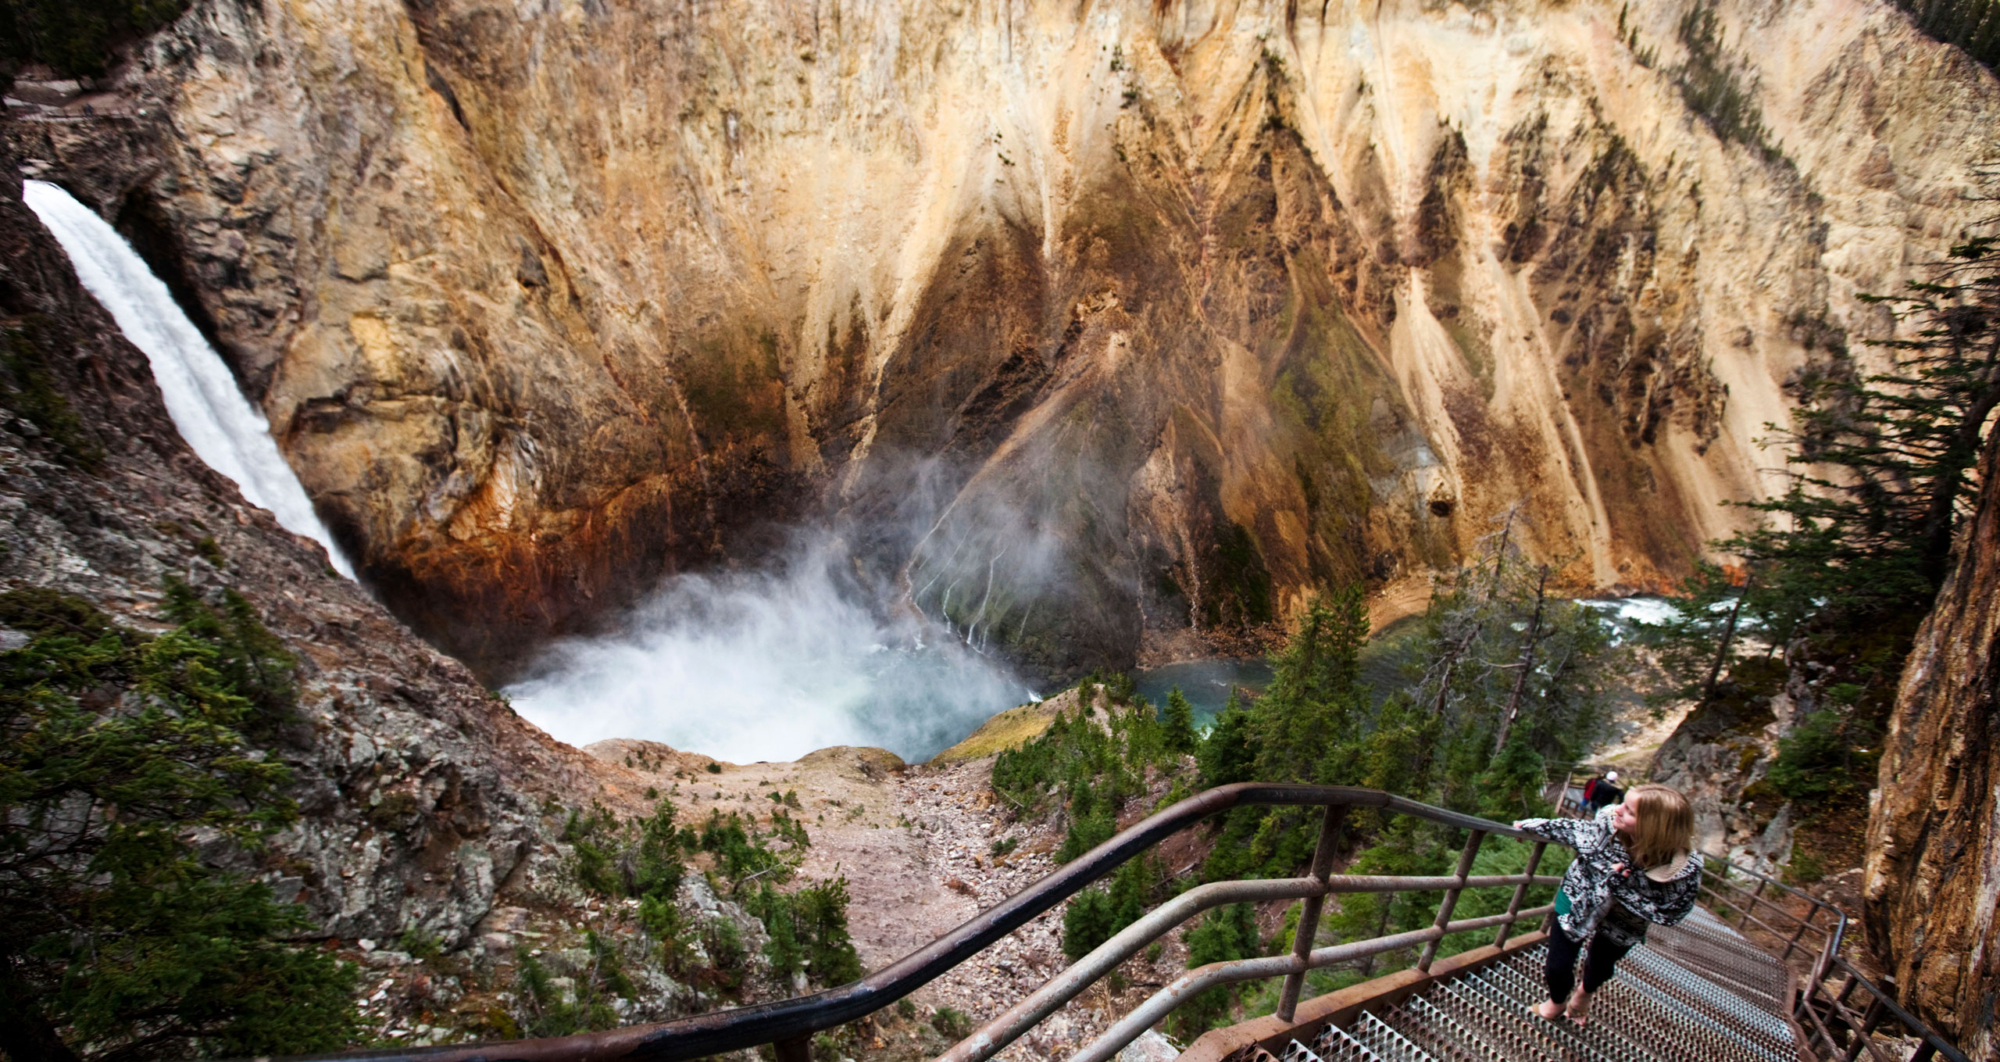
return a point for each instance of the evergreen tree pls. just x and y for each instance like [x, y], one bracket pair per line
[1505, 662]
[115, 749]
[1849, 560]
[1304, 726]
[1177, 727]
[1225, 934]
[1885, 461]
[1226, 755]
[1973, 25]
[76, 36]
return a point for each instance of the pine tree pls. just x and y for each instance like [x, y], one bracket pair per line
[1178, 732]
[1226, 754]
[120, 941]
[1885, 461]
[1305, 725]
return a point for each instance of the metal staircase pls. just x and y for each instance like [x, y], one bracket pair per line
[1697, 992]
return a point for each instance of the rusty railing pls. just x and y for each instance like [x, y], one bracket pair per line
[789, 1024]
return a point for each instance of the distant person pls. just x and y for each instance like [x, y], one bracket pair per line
[1601, 793]
[1635, 864]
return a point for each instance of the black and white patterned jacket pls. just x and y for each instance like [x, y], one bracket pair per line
[1621, 905]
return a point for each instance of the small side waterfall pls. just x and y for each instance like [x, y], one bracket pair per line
[211, 413]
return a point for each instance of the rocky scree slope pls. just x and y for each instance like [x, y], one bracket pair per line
[1100, 327]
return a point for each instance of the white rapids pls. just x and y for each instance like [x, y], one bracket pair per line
[224, 429]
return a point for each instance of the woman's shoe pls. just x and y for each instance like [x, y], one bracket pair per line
[1548, 1011]
[1579, 1006]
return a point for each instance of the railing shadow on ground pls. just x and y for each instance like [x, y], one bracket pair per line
[788, 1025]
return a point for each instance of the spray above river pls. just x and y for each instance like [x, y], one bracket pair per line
[207, 407]
[769, 665]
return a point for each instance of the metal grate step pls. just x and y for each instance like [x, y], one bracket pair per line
[1618, 1014]
[1382, 1041]
[1699, 992]
[1439, 1034]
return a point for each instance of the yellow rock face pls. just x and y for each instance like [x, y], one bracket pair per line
[1104, 324]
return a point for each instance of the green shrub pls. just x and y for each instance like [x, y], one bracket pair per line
[1804, 868]
[1086, 923]
[743, 850]
[951, 1023]
[808, 931]
[1819, 758]
[118, 936]
[26, 385]
[419, 944]
[1097, 914]
[1224, 935]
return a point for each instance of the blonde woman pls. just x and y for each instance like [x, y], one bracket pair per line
[1634, 865]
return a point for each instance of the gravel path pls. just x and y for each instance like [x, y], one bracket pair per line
[951, 811]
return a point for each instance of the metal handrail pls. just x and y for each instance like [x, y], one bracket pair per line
[1861, 1028]
[1831, 937]
[788, 1023]
[1197, 980]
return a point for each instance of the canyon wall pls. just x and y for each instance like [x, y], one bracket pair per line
[1933, 871]
[1096, 328]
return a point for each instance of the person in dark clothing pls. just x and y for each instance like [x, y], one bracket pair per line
[1601, 793]
[1635, 865]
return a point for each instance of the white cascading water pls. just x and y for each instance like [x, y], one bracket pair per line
[208, 408]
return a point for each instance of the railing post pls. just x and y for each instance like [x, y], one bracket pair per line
[796, 1049]
[1871, 1019]
[1520, 893]
[1451, 898]
[1322, 868]
[1825, 959]
[1744, 922]
[1792, 944]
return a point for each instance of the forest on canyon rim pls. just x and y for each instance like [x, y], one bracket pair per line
[1166, 325]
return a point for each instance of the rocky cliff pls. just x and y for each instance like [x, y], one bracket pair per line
[1933, 869]
[419, 793]
[1097, 327]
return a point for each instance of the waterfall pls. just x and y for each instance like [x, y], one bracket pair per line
[223, 428]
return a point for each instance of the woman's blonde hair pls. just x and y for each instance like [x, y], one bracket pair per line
[1665, 832]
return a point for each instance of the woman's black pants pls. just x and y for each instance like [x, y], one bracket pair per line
[1597, 966]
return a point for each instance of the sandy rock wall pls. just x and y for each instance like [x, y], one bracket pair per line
[1099, 326]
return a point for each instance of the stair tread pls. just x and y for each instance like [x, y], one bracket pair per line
[1699, 992]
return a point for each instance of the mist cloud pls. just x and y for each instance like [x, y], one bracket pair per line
[768, 665]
